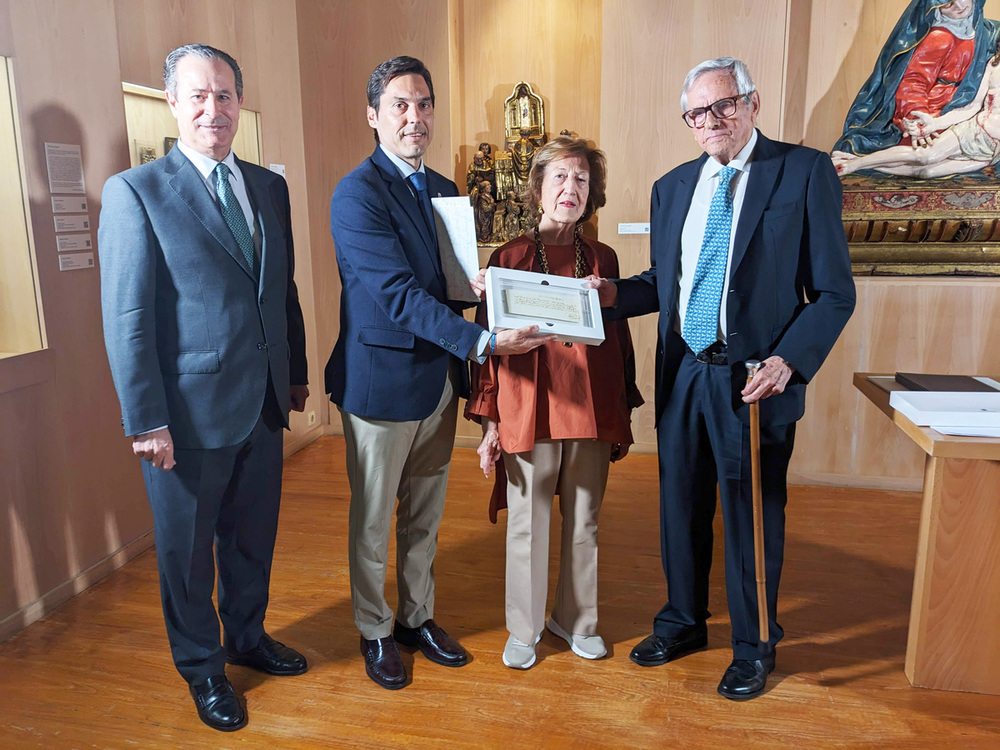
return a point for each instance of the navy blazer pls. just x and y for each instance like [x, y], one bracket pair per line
[192, 338]
[790, 286]
[398, 331]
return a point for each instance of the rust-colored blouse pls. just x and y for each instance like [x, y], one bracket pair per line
[557, 391]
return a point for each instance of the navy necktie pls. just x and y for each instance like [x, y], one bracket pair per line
[419, 182]
[701, 321]
[233, 215]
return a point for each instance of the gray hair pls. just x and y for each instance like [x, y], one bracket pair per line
[202, 51]
[737, 69]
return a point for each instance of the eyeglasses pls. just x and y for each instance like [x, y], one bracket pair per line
[721, 110]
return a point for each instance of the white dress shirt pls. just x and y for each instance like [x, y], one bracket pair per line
[693, 233]
[206, 168]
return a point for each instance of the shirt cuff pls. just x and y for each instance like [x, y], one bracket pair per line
[481, 350]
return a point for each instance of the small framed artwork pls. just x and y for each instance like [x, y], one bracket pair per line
[168, 143]
[566, 307]
[144, 152]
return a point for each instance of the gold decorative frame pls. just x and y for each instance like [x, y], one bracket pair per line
[910, 227]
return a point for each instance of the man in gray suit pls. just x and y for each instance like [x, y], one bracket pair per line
[205, 339]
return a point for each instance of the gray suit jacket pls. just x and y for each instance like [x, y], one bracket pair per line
[192, 338]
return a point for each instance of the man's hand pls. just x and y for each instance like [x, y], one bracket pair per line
[156, 446]
[521, 340]
[607, 291]
[299, 394]
[489, 448]
[771, 378]
[478, 284]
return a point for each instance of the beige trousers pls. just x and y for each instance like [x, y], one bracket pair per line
[388, 460]
[580, 468]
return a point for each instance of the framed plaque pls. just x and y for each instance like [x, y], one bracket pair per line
[556, 304]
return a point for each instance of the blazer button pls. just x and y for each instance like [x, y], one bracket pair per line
[442, 342]
[261, 347]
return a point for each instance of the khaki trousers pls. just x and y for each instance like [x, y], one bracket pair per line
[580, 468]
[388, 460]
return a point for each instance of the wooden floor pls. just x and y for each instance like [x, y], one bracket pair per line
[97, 672]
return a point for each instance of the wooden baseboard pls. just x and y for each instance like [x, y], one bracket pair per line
[307, 437]
[897, 484]
[29, 613]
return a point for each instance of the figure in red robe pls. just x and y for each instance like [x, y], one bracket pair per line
[938, 65]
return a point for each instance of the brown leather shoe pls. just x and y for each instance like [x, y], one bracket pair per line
[217, 704]
[271, 657]
[435, 644]
[382, 663]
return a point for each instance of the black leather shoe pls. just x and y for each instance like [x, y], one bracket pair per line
[435, 644]
[652, 651]
[271, 657]
[382, 663]
[745, 679]
[218, 705]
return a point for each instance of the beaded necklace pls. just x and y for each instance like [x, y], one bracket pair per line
[579, 270]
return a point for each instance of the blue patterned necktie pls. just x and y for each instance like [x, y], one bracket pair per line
[701, 321]
[419, 182]
[233, 214]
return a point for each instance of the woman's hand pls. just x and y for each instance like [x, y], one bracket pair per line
[489, 448]
[618, 451]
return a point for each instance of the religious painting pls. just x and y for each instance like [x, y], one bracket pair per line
[920, 146]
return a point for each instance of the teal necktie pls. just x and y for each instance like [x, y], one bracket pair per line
[701, 321]
[233, 214]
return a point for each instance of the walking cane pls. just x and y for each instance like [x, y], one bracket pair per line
[753, 366]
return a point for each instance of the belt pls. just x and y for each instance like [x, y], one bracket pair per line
[712, 355]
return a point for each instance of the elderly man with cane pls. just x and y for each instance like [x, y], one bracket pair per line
[748, 261]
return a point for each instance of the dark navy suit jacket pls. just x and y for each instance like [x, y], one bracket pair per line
[790, 285]
[192, 338]
[398, 331]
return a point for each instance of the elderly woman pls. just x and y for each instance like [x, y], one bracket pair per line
[554, 418]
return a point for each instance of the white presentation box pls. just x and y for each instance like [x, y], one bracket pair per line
[556, 304]
[966, 409]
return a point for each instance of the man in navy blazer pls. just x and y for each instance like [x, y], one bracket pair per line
[398, 368]
[205, 339]
[782, 293]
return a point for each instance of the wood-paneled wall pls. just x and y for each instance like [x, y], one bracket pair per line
[340, 44]
[612, 70]
[71, 497]
[263, 37]
[72, 502]
[648, 48]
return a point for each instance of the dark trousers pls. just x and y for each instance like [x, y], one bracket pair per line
[216, 506]
[702, 444]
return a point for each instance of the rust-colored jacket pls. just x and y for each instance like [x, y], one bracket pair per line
[557, 391]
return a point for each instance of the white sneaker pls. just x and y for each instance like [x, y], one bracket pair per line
[586, 646]
[517, 654]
